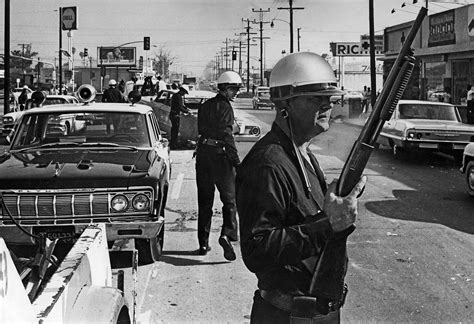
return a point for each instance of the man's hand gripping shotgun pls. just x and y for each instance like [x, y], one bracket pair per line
[328, 278]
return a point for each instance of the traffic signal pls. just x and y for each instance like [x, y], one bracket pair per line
[86, 53]
[234, 55]
[140, 63]
[146, 43]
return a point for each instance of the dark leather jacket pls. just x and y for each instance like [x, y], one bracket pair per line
[280, 225]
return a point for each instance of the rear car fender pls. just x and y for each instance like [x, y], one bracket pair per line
[97, 304]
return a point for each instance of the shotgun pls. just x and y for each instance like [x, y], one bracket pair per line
[328, 277]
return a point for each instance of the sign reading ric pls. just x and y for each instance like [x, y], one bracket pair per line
[69, 18]
[352, 49]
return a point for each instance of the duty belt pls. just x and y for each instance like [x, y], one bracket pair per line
[211, 142]
[286, 302]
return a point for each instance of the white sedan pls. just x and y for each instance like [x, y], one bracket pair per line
[468, 167]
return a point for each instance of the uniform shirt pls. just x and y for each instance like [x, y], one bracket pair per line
[216, 121]
[470, 94]
[279, 224]
[112, 95]
[177, 105]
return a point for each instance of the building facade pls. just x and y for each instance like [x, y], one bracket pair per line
[444, 49]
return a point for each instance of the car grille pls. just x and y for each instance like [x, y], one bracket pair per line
[66, 207]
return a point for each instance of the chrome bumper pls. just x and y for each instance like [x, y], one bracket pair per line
[123, 230]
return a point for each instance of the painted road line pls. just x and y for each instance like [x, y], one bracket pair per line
[177, 186]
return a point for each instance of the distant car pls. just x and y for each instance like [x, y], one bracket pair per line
[424, 125]
[350, 94]
[468, 167]
[245, 130]
[111, 167]
[10, 119]
[437, 96]
[262, 98]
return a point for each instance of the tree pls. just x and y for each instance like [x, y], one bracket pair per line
[23, 64]
[162, 61]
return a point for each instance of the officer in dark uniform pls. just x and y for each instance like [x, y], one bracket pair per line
[216, 158]
[287, 213]
[112, 94]
[177, 107]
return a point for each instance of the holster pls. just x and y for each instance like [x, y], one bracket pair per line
[312, 310]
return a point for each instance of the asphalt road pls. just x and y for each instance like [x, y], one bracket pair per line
[410, 257]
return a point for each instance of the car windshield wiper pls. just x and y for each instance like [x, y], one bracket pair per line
[48, 145]
[107, 144]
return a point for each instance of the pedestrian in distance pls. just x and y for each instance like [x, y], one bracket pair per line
[287, 212]
[112, 94]
[470, 104]
[177, 108]
[23, 98]
[160, 85]
[216, 159]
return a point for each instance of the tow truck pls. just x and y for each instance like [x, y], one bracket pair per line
[64, 283]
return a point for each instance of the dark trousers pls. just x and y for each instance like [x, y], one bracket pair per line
[264, 312]
[174, 131]
[470, 112]
[214, 170]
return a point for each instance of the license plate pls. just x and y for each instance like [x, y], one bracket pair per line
[445, 146]
[64, 234]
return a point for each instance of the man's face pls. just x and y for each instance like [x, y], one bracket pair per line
[231, 92]
[310, 115]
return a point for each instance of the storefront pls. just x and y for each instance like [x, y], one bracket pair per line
[444, 49]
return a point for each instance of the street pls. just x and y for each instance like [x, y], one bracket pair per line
[410, 257]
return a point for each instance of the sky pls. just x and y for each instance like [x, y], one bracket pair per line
[194, 31]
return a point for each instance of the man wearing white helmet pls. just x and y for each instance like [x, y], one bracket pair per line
[216, 158]
[112, 94]
[287, 212]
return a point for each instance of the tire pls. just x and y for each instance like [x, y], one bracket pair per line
[150, 250]
[470, 178]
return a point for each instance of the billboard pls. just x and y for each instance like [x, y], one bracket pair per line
[116, 56]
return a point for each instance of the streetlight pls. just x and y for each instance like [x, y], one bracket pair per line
[272, 24]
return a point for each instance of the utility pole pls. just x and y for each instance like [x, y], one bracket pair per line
[298, 33]
[291, 8]
[248, 51]
[6, 59]
[226, 54]
[373, 79]
[261, 22]
[60, 68]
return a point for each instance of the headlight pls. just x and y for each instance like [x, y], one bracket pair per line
[140, 202]
[119, 203]
[252, 130]
[7, 119]
[411, 135]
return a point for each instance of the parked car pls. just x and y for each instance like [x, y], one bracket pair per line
[350, 94]
[9, 120]
[246, 130]
[112, 166]
[262, 98]
[468, 167]
[429, 126]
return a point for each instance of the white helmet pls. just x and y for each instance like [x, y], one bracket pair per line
[302, 73]
[112, 82]
[229, 78]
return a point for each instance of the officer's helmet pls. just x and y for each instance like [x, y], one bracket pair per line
[229, 79]
[112, 83]
[302, 73]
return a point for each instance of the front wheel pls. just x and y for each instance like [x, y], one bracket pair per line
[150, 250]
[470, 178]
[397, 151]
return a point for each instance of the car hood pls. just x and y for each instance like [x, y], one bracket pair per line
[421, 124]
[15, 115]
[47, 169]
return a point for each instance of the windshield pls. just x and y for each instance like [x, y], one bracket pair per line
[264, 95]
[427, 111]
[80, 128]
